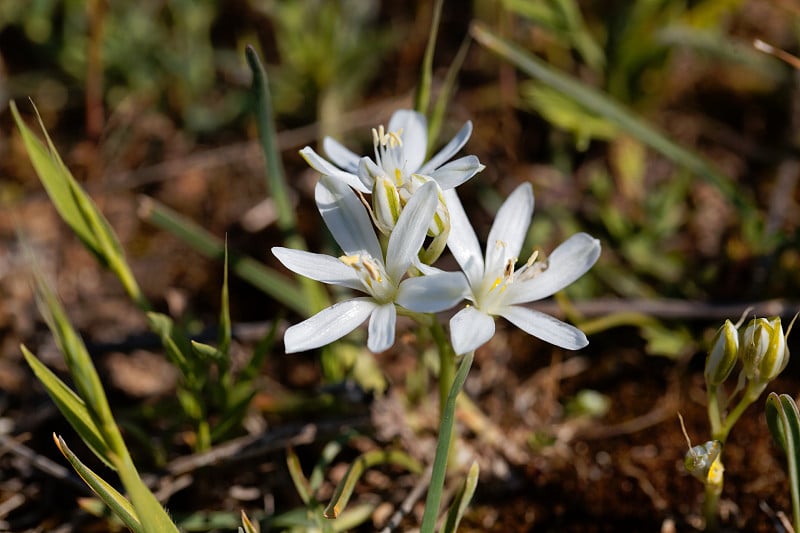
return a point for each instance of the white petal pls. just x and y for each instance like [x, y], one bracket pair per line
[462, 241]
[449, 150]
[368, 171]
[409, 232]
[469, 329]
[571, 260]
[457, 172]
[318, 267]
[328, 325]
[326, 169]
[433, 293]
[545, 327]
[415, 136]
[381, 328]
[346, 218]
[509, 229]
[341, 156]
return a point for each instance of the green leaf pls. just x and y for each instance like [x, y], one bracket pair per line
[422, 97]
[265, 279]
[605, 106]
[462, 499]
[783, 420]
[357, 468]
[224, 338]
[248, 526]
[71, 406]
[115, 501]
[301, 484]
[315, 296]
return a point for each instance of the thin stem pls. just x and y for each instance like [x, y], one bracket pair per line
[714, 415]
[446, 424]
[711, 506]
[447, 363]
[751, 394]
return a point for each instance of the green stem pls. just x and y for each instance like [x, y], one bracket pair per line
[714, 415]
[711, 506]
[751, 394]
[447, 363]
[446, 424]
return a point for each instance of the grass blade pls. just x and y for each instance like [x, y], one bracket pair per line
[603, 105]
[71, 406]
[446, 423]
[108, 494]
[367, 460]
[265, 279]
[783, 420]
[462, 500]
[422, 97]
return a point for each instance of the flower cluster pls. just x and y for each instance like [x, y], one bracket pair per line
[412, 203]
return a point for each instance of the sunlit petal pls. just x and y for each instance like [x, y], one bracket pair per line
[456, 172]
[571, 260]
[449, 150]
[381, 328]
[469, 329]
[462, 241]
[433, 293]
[326, 169]
[409, 233]
[343, 157]
[346, 218]
[509, 229]
[545, 327]
[318, 267]
[415, 136]
[328, 325]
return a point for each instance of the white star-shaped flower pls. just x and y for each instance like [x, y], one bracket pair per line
[365, 268]
[496, 288]
[399, 155]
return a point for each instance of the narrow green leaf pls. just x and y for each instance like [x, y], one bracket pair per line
[783, 420]
[315, 297]
[224, 338]
[56, 180]
[71, 406]
[265, 279]
[462, 499]
[603, 105]
[367, 460]
[115, 501]
[298, 478]
[446, 93]
[163, 326]
[446, 424]
[248, 526]
[423, 94]
[153, 517]
[206, 351]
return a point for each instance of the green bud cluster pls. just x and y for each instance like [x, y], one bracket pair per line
[761, 347]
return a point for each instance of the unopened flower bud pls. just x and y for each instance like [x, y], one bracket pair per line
[385, 204]
[764, 354]
[723, 354]
[703, 462]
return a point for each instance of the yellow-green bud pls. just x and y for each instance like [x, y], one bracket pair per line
[702, 461]
[764, 354]
[385, 204]
[723, 354]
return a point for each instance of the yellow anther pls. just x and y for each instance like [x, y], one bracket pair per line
[373, 271]
[394, 138]
[350, 260]
[497, 282]
[532, 259]
[398, 177]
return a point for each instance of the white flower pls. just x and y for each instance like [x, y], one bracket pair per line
[364, 268]
[399, 155]
[497, 289]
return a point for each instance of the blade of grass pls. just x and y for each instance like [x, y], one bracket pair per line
[603, 105]
[265, 279]
[115, 501]
[783, 420]
[446, 423]
[357, 468]
[445, 95]
[422, 97]
[71, 406]
[315, 296]
[299, 480]
[462, 500]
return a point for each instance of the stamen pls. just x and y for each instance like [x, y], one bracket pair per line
[350, 260]
[372, 270]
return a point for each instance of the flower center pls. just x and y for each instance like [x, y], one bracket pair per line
[493, 295]
[372, 275]
[389, 154]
